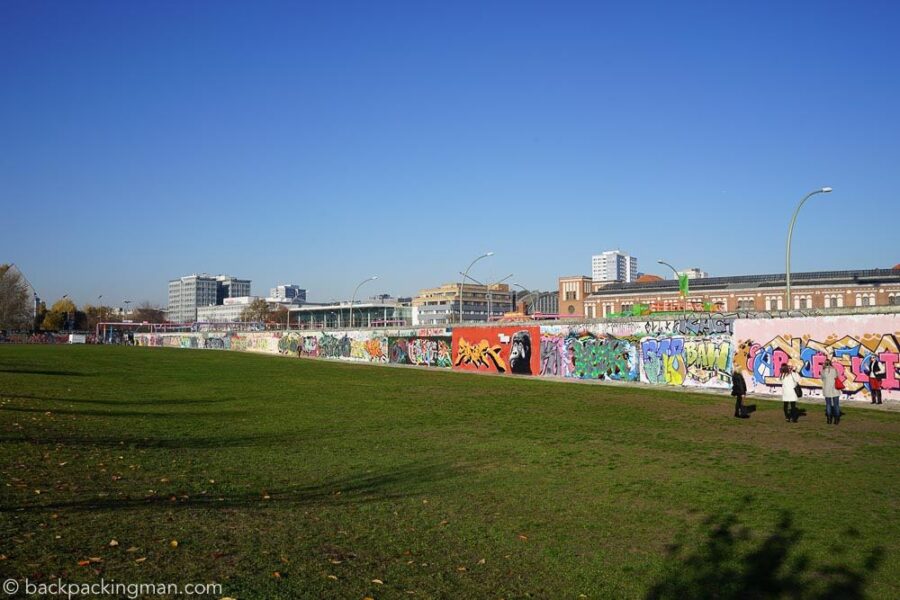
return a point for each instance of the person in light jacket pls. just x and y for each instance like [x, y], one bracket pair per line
[832, 396]
[789, 381]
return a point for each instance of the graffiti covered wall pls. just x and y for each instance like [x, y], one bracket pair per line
[696, 351]
[505, 350]
[852, 342]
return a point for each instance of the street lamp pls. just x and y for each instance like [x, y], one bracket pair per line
[126, 302]
[462, 281]
[68, 321]
[353, 299]
[787, 270]
[527, 293]
[678, 279]
[488, 286]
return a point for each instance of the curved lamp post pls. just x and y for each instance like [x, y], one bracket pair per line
[787, 268]
[487, 288]
[527, 293]
[462, 281]
[677, 278]
[353, 299]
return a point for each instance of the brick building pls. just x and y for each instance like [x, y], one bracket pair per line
[816, 290]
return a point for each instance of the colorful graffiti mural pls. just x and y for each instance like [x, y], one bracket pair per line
[851, 357]
[422, 351]
[852, 343]
[581, 353]
[693, 351]
[496, 349]
[676, 360]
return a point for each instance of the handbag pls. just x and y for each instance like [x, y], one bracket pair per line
[798, 391]
[838, 384]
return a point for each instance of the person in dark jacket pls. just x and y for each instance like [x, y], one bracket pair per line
[738, 390]
[877, 372]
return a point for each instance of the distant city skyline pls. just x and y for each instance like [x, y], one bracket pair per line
[320, 144]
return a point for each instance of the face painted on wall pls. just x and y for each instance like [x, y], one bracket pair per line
[520, 353]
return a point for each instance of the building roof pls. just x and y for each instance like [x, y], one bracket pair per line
[742, 282]
[648, 277]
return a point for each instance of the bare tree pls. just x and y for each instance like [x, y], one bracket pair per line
[149, 313]
[258, 310]
[15, 305]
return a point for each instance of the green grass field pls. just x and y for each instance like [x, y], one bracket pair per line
[287, 478]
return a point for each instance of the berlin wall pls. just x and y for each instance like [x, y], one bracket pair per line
[694, 351]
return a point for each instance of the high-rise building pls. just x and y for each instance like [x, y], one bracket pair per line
[288, 291]
[694, 273]
[189, 292]
[613, 265]
[231, 287]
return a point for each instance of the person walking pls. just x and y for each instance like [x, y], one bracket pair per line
[877, 372]
[738, 390]
[789, 383]
[829, 376]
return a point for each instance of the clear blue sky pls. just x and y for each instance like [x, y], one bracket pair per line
[319, 143]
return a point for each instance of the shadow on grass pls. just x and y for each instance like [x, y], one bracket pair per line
[733, 563]
[358, 488]
[131, 442]
[121, 402]
[129, 413]
[45, 372]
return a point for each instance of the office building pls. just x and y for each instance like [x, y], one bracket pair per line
[440, 305]
[694, 273]
[188, 293]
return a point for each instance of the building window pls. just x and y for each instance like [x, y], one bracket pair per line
[570, 295]
[894, 299]
[865, 299]
[627, 307]
[745, 303]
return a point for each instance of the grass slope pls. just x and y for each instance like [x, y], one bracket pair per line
[438, 485]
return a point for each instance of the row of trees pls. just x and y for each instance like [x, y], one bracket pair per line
[18, 311]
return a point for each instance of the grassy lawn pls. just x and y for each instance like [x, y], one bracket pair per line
[287, 478]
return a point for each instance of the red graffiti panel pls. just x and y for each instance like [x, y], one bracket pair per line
[514, 350]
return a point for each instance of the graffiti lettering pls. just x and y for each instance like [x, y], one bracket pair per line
[480, 355]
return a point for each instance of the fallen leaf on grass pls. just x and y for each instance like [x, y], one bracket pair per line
[524, 538]
[133, 549]
[481, 562]
[140, 560]
[334, 577]
[378, 581]
[174, 543]
[461, 568]
[83, 563]
[113, 543]
[276, 575]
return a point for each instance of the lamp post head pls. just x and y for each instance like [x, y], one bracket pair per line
[374, 277]
[825, 190]
[489, 253]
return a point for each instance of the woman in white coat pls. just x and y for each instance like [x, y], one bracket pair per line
[789, 381]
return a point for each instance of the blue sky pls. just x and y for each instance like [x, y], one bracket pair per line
[320, 143]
